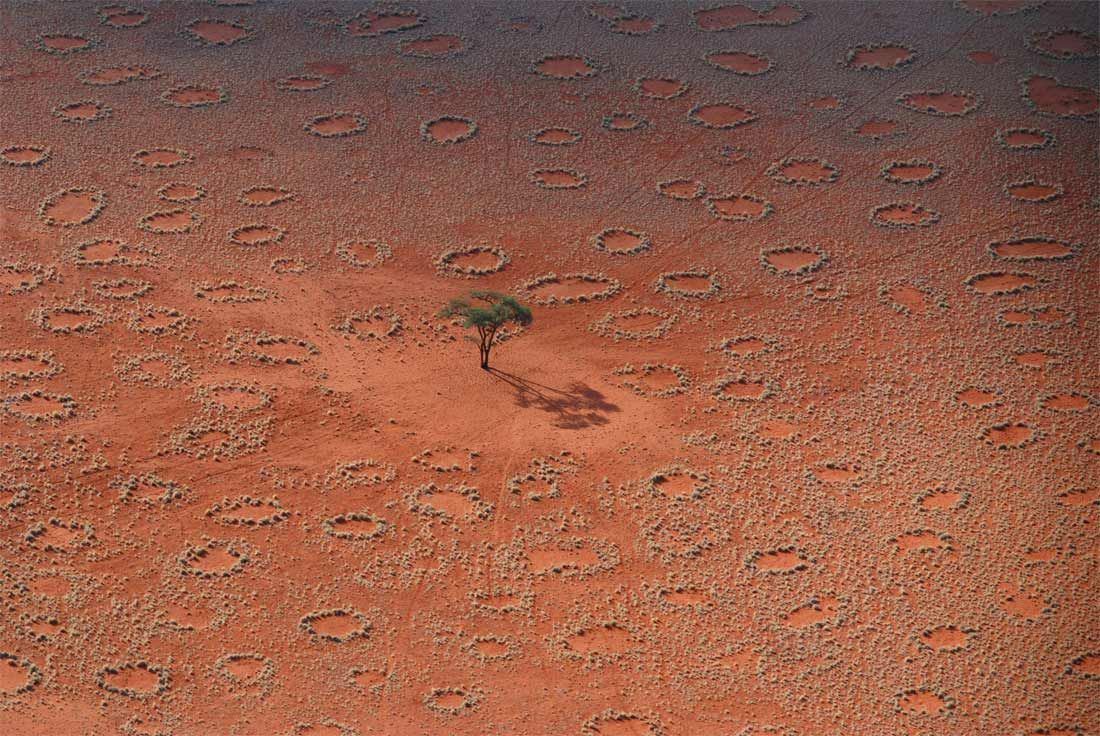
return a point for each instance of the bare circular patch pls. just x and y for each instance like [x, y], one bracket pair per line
[169, 222]
[660, 88]
[940, 102]
[903, 216]
[912, 171]
[217, 32]
[559, 178]
[880, 56]
[73, 206]
[565, 66]
[364, 253]
[803, 171]
[743, 63]
[739, 207]
[256, 234]
[473, 260]
[161, 158]
[720, 115]
[694, 283]
[570, 288]
[336, 124]
[438, 46]
[193, 96]
[621, 241]
[793, 260]
[24, 155]
[448, 130]
[82, 111]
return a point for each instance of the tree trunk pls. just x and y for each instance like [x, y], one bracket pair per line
[486, 346]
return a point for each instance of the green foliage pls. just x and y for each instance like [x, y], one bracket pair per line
[487, 312]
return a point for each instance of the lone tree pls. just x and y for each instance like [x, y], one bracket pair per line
[493, 312]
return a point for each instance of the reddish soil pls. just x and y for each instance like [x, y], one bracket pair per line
[802, 439]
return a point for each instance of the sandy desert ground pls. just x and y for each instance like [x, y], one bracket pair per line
[802, 441]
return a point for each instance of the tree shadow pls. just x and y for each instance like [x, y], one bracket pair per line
[576, 406]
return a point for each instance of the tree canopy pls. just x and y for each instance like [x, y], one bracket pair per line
[487, 312]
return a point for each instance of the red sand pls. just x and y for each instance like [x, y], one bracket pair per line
[772, 460]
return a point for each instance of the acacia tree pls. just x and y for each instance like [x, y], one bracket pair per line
[487, 311]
